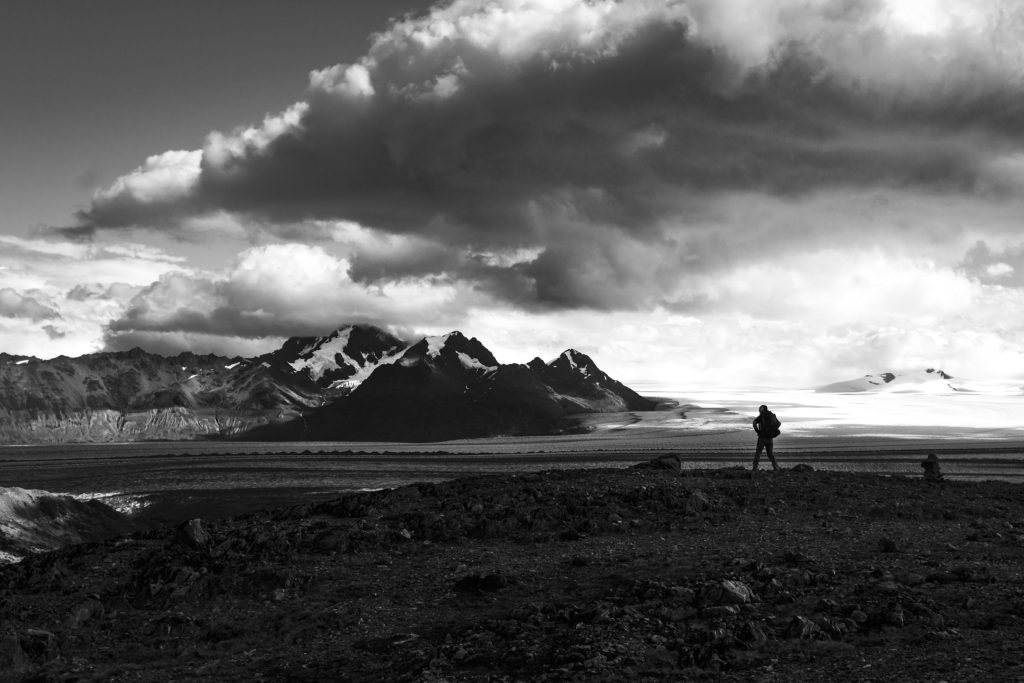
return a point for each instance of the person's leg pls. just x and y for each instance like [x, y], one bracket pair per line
[757, 452]
[769, 448]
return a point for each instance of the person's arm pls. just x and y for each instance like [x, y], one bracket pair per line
[757, 424]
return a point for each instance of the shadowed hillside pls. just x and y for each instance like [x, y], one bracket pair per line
[452, 387]
[613, 575]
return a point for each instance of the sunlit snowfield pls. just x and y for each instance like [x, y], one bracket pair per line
[993, 410]
[977, 435]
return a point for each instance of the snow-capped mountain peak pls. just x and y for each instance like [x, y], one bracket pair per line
[929, 380]
[437, 344]
[575, 362]
[346, 356]
[570, 357]
[320, 355]
[452, 349]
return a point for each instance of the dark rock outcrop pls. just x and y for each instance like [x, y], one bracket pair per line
[452, 387]
[576, 375]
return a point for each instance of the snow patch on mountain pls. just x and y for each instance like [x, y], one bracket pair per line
[576, 362]
[364, 371]
[436, 344]
[472, 363]
[320, 356]
[930, 381]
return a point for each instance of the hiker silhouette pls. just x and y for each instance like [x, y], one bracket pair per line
[767, 425]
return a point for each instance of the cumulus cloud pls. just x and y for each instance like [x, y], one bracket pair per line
[74, 288]
[14, 305]
[481, 124]
[839, 171]
[277, 291]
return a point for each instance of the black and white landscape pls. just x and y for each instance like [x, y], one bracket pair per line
[813, 205]
[358, 383]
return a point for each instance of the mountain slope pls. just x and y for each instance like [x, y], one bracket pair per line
[338, 360]
[130, 395]
[358, 382]
[574, 374]
[452, 387]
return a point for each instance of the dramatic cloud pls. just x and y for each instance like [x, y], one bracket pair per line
[272, 292]
[523, 125]
[848, 173]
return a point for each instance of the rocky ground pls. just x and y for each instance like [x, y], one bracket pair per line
[614, 575]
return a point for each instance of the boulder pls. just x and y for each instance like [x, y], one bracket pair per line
[193, 535]
[726, 592]
[751, 633]
[802, 628]
[671, 462]
[40, 645]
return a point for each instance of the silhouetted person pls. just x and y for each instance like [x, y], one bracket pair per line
[767, 425]
[931, 468]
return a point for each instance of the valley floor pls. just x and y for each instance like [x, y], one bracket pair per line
[600, 574]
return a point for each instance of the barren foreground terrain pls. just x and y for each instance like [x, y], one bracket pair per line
[607, 574]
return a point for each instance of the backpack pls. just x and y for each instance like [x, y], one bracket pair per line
[770, 425]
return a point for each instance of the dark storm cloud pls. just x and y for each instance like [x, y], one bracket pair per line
[582, 130]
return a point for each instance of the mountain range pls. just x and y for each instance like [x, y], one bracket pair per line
[930, 380]
[357, 383]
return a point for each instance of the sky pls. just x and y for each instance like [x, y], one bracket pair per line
[693, 192]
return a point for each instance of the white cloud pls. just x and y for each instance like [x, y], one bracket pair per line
[352, 80]
[781, 189]
[935, 17]
[164, 177]
[282, 290]
[999, 269]
[220, 149]
[77, 289]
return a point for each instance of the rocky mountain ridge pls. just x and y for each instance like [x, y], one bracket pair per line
[339, 360]
[308, 388]
[451, 386]
[135, 395]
